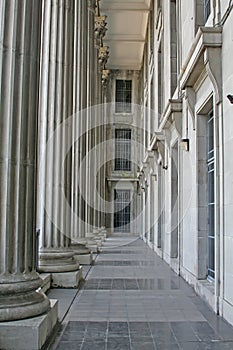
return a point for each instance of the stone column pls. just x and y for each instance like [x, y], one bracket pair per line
[90, 141]
[82, 117]
[83, 255]
[105, 87]
[77, 46]
[19, 58]
[56, 256]
[100, 61]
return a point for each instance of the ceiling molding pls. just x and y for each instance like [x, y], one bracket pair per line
[125, 38]
[124, 5]
[127, 22]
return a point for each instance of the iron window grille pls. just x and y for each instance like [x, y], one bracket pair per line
[123, 149]
[123, 96]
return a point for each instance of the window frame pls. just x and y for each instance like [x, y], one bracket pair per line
[123, 150]
[123, 96]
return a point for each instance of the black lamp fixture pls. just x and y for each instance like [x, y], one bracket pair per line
[230, 98]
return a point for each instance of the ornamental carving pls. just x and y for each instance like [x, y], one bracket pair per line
[100, 29]
[105, 77]
[103, 56]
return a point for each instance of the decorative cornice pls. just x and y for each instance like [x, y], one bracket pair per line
[205, 53]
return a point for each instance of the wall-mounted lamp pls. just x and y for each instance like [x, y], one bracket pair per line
[230, 98]
[184, 144]
[154, 177]
[142, 188]
[165, 167]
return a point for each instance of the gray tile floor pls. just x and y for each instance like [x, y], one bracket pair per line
[132, 300]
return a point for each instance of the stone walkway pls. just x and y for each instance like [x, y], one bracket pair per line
[132, 300]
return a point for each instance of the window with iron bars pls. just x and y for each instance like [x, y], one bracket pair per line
[207, 9]
[123, 96]
[123, 149]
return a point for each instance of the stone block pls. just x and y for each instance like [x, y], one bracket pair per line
[28, 334]
[67, 279]
[84, 259]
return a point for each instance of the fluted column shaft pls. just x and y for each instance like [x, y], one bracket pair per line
[76, 115]
[19, 66]
[54, 172]
[91, 179]
[82, 118]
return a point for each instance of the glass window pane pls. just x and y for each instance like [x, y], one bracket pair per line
[207, 9]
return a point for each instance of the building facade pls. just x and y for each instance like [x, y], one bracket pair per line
[186, 170]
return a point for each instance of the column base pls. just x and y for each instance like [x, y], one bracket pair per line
[91, 237]
[94, 247]
[21, 297]
[67, 279]
[99, 234]
[91, 243]
[103, 231]
[57, 260]
[84, 259]
[30, 333]
[83, 255]
[46, 281]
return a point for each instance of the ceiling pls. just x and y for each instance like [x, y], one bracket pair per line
[126, 23]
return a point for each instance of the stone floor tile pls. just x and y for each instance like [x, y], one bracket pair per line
[94, 345]
[65, 345]
[143, 346]
[167, 346]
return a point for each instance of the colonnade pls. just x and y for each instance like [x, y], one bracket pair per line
[49, 76]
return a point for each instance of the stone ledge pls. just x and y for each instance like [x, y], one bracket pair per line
[28, 334]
